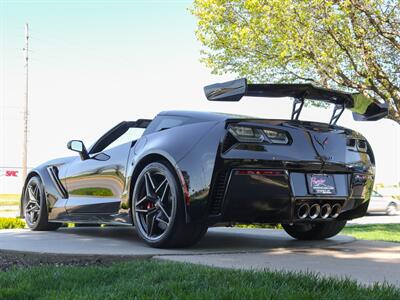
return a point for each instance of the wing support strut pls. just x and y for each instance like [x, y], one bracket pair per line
[337, 112]
[298, 106]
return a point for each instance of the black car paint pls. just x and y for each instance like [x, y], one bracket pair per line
[203, 156]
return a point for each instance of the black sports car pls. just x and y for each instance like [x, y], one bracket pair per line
[187, 171]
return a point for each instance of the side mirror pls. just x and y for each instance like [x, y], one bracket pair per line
[78, 146]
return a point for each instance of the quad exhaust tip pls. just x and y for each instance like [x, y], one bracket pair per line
[315, 209]
[303, 211]
[336, 208]
[326, 210]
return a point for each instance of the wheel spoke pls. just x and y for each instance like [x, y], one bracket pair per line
[161, 184]
[164, 212]
[31, 194]
[150, 220]
[33, 209]
[149, 187]
[36, 192]
[151, 181]
[162, 221]
[141, 210]
[141, 201]
[164, 193]
[31, 202]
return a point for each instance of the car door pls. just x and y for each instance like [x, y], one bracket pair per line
[96, 184]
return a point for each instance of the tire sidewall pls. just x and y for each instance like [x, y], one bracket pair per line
[392, 209]
[318, 231]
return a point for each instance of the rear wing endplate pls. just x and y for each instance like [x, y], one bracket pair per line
[363, 107]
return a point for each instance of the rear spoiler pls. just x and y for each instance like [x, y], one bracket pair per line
[363, 107]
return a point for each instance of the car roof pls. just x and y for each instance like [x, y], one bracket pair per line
[203, 115]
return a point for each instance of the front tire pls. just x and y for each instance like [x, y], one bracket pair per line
[35, 206]
[314, 231]
[158, 209]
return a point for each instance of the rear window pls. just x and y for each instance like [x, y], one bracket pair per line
[164, 122]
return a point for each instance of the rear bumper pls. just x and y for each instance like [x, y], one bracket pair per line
[274, 195]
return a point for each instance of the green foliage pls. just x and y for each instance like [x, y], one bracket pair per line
[11, 223]
[377, 232]
[268, 226]
[165, 280]
[9, 199]
[348, 44]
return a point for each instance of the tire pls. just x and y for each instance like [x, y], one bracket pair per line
[35, 206]
[391, 209]
[314, 231]
[158, 209]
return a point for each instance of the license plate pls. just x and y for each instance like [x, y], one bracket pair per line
[321, 184]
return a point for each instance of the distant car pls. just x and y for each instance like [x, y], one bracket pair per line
[187, 171]
[379, 203]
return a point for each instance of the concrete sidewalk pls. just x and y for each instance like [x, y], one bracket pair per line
[364, 261]
[341, 256]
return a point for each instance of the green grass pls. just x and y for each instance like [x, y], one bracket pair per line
[163, 280]
[378, 232]
[11, 223]
[9, 199]
[9, 202]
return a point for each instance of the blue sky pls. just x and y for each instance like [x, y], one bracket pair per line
[95, 63]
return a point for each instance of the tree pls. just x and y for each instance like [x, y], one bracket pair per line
[353, 45]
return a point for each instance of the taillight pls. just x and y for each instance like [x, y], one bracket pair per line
[276, 137]
[357, 145]
[245, 134]
[361, 145]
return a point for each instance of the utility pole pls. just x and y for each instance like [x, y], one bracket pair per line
[25, 140]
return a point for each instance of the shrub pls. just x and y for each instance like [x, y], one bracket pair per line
[11, 223]
[256, 225]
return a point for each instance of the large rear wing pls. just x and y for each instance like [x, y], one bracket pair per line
[363, 108]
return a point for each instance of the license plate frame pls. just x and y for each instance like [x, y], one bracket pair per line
[321, 184]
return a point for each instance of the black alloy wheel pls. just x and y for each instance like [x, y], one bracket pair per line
[158, 209]
[35, 207]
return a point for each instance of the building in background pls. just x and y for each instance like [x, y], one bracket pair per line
[10, 180]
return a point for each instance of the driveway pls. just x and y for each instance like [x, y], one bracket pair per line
[342, 256]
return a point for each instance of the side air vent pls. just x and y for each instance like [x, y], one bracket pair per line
[53, 172]
[218, 194]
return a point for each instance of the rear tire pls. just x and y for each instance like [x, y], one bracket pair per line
[391, 209]
[158, 209]
[314, 231]
[35, 206]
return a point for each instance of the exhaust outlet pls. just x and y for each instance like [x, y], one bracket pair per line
[314, 211]
[326, 210]
[336, 208]
[303, 211]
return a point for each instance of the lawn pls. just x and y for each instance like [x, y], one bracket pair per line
[9, 199]
[149, 279]
[379, 232]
